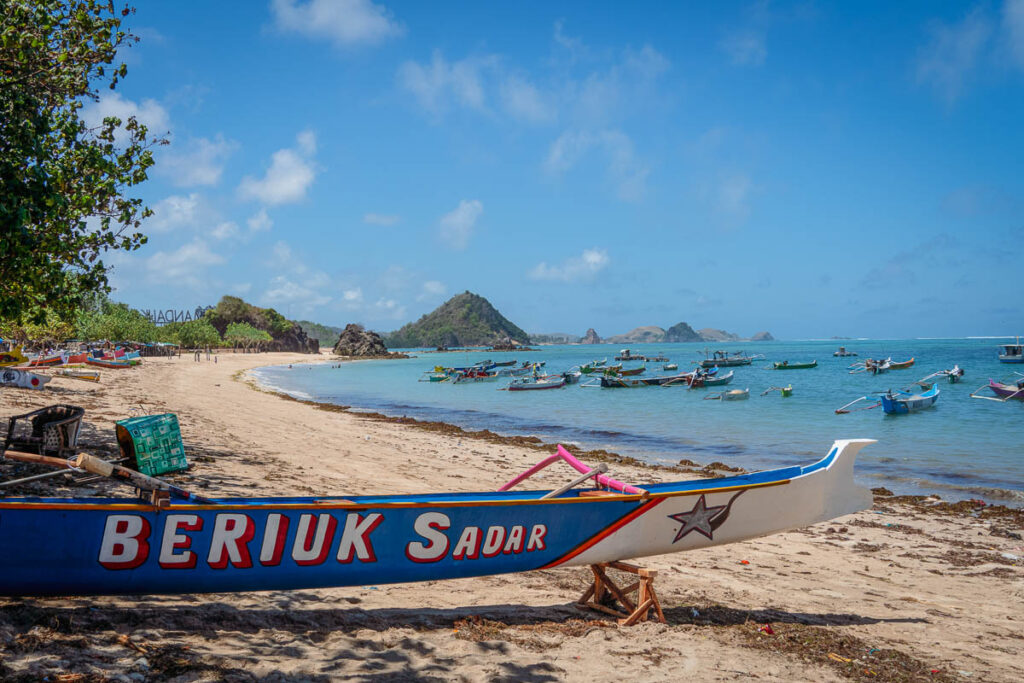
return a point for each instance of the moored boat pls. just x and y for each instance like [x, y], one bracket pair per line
[900, 365]
[713, 381]
[536, 383]
[725, 359]
[670, 366]
[786, 365]
[631, 372]
[902, 401]
[124, 546]
[1012, 353]
[786, 391]
[842, 352]
[1003, 391]
[734, 395]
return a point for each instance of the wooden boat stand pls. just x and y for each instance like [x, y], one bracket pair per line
[605, 593]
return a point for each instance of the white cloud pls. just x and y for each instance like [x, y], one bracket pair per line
[582, 267]
[176, 211]
[390, 309]
[432, 290]
[296, 298]
[457, 226]
[200, 161]
[745, 48]
[380, 219]
[435, 83]
[260, 221]
[625, 171]
[354, 295]
[296, 287]
[150, 113]
[225, 230]
[290, 175]
[729, 198]
[952, 53]
[344, 22]
[522, 100]
[1013, 29]
[183, 266]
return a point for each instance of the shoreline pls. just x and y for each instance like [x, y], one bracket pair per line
[899, 590]
[685, 465]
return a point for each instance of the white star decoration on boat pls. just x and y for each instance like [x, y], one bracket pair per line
[697, 519]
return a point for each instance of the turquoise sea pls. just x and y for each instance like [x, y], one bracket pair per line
[960, 448]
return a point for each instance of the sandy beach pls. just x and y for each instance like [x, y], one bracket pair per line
[910, 590]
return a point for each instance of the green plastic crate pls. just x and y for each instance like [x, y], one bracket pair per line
[152, 443]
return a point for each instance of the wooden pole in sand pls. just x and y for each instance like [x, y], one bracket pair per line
[92, 464]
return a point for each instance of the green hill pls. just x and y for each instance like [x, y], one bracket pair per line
[285, 334]
[466, 319]
[327, 335]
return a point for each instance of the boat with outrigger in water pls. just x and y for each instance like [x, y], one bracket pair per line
[726, 359]
[168, 540]
[917, 396]
[1006, 390]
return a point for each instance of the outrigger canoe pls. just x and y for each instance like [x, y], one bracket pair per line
[117, 546]
[786, 365]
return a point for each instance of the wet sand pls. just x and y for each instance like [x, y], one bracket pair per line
[910, 590]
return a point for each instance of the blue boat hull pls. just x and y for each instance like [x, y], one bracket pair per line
[121, 546]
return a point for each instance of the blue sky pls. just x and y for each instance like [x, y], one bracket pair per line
[811, 169]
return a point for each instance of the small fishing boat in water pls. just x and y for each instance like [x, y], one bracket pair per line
[1003, 391]
[786, 365]
[726, 359]
[667, 367]
[902, 401]
[1012, 353]
[734, 395]
[842, 352]
[536, 383]
[786, 391]
[901, 365]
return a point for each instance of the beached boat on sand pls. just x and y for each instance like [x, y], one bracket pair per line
[23, 379]
[122, 546]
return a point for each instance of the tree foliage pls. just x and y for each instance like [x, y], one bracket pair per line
[231, 309]
[115, 322]
[195, 334]
[63, 184]
[246, 336]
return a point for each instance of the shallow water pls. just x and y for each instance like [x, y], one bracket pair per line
[960, 448]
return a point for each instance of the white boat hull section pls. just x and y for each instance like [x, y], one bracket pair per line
[699, 520]
[11, 377]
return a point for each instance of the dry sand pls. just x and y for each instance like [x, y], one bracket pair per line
[906, 591]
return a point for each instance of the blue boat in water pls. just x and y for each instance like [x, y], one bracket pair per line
[181, 544]
[900, 401]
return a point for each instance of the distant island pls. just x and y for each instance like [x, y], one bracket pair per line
[652, 334]
[466, 319]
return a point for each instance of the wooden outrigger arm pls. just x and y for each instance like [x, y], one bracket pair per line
[843, 410]
[91, 463]
[596, 472]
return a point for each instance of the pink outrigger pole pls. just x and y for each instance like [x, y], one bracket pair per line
[562, 454]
